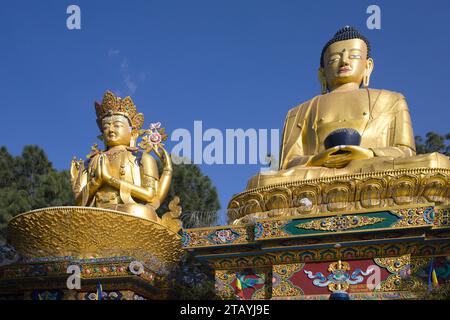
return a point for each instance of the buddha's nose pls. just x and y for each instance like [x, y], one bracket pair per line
[345, 61]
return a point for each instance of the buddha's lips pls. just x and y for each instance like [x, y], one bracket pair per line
[344, 69]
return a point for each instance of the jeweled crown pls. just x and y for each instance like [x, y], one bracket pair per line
[115, 105]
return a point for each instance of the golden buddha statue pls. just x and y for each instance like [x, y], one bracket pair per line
[122, 177]
[380, 117]
[348, 149]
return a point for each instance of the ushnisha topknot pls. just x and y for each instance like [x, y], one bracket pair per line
[345, 33]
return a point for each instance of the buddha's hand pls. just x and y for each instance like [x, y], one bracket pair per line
[340, 156]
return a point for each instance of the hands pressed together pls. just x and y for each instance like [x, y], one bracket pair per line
[99, 170]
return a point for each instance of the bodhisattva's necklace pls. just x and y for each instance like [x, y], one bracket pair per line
[114, 154]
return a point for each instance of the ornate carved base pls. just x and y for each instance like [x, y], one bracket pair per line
[82, 232]
[129, 256]
[375, 190]
[121, 278]
[397, 277]
[382, 254]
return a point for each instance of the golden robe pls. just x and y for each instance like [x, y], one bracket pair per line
[380, 116]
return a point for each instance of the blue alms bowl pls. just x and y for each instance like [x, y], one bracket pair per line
[343, 136]
[339, 295]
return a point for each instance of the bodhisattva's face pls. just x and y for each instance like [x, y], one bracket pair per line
[346, 62]
[116, 131]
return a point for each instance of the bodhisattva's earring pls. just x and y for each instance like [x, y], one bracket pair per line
[134, 137]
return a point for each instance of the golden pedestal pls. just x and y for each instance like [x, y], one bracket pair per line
[129, 256]
[284, 240]
[384, 253]
[346, 193]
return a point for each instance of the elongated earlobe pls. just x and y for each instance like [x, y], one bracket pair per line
[368, 73]
[322, 80]
[366, 81]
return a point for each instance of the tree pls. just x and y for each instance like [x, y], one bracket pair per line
[29, 182]
[433, 143]
[199, 199]
[440, 293]
[192, 279]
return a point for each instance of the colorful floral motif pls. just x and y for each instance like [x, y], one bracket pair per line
[270, 229]
[282, 286]
[414, 216]
[185, 239]
[213, 237]
[223, 236]
[442, 217]
[339, 223]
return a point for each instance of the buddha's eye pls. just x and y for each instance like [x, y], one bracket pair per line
[332, 60]
[355, 56]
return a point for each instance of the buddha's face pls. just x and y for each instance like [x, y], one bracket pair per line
[346, 62]
[116, 131]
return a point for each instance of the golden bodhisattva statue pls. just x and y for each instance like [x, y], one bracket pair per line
[349, 129]
[114, 227]
[122, 177]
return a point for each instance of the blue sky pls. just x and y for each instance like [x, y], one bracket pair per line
[232, 64]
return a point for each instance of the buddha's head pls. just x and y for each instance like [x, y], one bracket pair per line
[118, 120]
[345, 59]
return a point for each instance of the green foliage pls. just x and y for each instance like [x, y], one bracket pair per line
[440, 293]
[29, 182]
[433, 143]
[199, 199]
[192, 280]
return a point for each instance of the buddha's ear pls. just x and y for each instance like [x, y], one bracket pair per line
[322, 80]
[368, 72]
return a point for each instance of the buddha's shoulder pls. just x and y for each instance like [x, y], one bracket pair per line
[386, 94]
[302, 107]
